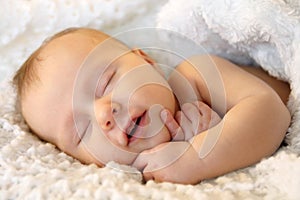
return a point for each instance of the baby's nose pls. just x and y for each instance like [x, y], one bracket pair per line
[105, 115]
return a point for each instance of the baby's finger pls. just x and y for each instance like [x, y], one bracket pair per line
[186, 125]
[193, 114]
[209, 117]
[203, 108]
[171, 124]
[205, 111]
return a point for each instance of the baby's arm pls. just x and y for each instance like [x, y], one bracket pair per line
[193, 118]
[253, 126]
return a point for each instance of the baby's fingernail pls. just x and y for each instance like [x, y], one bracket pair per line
[164, 115]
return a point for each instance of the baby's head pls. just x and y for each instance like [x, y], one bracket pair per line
[95, 103]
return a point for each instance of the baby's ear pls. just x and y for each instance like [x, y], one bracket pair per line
[145, 56]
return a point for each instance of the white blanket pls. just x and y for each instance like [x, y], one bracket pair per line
[266, 32]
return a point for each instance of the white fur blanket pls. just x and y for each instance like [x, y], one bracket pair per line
[265, 32]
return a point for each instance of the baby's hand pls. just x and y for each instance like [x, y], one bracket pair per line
[193, 119]
[172, 161]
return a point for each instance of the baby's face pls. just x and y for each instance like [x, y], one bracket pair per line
[98, 105]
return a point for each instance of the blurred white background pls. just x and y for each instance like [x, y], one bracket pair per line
[25, 24]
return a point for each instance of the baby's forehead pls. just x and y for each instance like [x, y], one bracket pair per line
[64, 57]
[80, 44]
[63, 43]
[65, 50]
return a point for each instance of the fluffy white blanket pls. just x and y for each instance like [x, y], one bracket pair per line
[265, 32]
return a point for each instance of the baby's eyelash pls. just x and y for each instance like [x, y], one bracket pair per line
[102, 84]
[109, 81]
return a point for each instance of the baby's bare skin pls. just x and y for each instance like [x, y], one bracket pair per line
[282, 88]
[253, 126]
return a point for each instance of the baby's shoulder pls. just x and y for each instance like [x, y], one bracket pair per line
[196, 65]
[196, 68]
[196, 71]
[188, 78]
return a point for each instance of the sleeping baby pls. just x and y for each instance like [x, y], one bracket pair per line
[99, 100]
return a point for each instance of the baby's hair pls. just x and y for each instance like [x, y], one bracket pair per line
[26, 74]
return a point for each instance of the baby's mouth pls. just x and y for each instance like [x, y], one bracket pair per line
[132, 129]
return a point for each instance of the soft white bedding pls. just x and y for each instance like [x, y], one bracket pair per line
[266, 31]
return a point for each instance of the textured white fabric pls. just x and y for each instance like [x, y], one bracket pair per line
[32, 169]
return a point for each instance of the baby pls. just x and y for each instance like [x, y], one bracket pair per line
[99, 101]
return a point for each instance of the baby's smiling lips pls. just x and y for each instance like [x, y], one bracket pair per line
[134, 127]
[131, 130]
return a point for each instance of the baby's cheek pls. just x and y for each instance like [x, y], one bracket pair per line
[171, 103]
[81, 154]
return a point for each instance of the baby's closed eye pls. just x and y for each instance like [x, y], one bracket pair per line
[105, 84]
